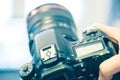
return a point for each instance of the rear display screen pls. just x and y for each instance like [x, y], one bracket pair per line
[86, 49]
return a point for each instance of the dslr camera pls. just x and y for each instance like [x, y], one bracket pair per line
[57, 52]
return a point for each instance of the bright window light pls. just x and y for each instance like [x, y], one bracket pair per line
[5, 9]
[14, 49]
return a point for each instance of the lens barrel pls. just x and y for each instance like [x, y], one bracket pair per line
[49, 16]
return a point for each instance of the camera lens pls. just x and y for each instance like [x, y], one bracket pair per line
[49, 16]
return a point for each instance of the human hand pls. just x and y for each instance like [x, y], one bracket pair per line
[110, 66]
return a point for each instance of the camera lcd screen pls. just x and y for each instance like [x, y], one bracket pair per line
[86, 49]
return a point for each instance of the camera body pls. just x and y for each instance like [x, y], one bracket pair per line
[57, 52]
[82, 63]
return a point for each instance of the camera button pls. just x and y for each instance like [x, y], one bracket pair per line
[82, 78]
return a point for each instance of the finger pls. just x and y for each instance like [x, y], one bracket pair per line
[110, 31]
[101, 77]
[110, 66]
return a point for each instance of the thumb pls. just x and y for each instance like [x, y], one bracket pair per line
[109, 67]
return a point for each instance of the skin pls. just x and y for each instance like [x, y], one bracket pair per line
[110, 66]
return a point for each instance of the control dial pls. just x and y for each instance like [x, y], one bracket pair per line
[27, 71]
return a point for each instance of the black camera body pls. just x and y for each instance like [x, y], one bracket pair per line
[57, 52]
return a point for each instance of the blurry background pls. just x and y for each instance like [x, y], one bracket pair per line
[14, 50]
